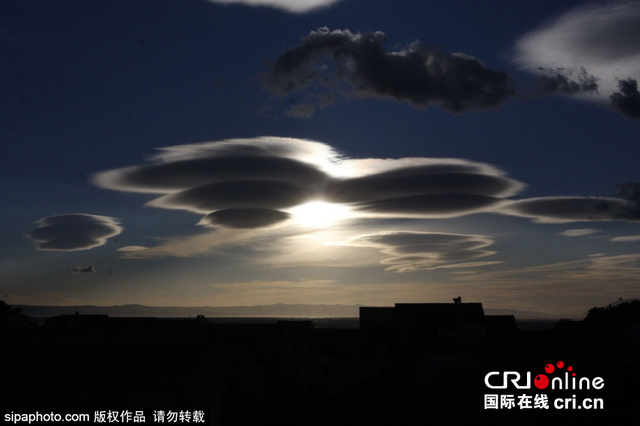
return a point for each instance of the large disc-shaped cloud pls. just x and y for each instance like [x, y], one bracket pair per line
[71, 232]
[262, 180]
[188, 166]
[241, 183]
[425, 187]
[433, 178]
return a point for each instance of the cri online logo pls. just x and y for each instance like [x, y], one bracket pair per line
[542, 381]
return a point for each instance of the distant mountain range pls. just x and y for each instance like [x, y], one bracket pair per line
[275, 310]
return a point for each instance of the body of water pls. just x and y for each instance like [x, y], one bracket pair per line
[318, 322]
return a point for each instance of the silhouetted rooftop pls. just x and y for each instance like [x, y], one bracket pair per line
[408, 315]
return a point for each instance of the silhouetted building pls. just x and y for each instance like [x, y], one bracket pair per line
[421, 316]
[441, 325]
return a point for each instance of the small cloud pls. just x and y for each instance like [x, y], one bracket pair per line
[292, 6]
[131, 248]
[579, 232]
[72, 232]
[357, 65]
[301, 110]
[627, 239]
[84, 269]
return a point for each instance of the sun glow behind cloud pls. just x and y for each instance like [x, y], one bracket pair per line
[320, 214]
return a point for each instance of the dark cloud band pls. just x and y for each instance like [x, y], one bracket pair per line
[246, 218]
[236, 194]
[572, 209]
[426, 180]
[190, 173]
[431, 205]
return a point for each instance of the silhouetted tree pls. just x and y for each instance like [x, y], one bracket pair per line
[10, 316]
[5, 310]
[627, 312]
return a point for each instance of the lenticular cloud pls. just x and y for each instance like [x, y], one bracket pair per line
[243, 183]
[411, 251]
[425, 187]
[72, 232]
[292, 6]
[259, 182]
[253, 183]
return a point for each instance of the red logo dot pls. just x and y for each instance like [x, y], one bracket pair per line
[560, 364]
[541, 381]
[549, 368]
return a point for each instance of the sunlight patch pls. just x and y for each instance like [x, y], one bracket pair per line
[319, 213]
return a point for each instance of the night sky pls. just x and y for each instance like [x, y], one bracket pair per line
[246, 152]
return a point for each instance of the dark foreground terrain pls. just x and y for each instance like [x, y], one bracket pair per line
[411, 364]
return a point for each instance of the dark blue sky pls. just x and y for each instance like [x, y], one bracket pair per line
[89, 87]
